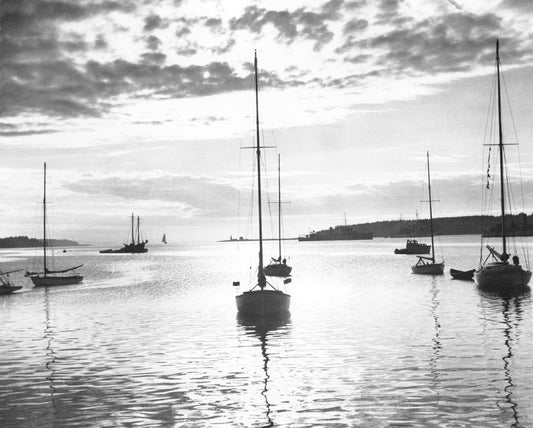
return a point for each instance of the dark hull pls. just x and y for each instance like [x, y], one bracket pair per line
[49, 281]
[277, 269]
[126, 250]
[420, 250]
[263, 302]
[8, 289]
[459, 274]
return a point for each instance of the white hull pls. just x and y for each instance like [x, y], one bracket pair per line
[502, 275]
[48, 281]
[428, 269]
[263, 302]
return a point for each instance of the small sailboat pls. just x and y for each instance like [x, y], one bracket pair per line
[164, 239]
[427, 265]
[498, 273]
[6, 286]
[52, 277]
[136, 245]
[278, 266]
[263, 299]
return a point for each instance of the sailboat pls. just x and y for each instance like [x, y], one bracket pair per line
[52, 277]
[136, 246]
[278, 266]
[263, 299]
[499, 273]
[164, 239]
[427, 265]
[6, 286]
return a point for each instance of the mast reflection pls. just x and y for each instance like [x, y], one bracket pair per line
[436, 340]
[263, 329]
[509, 304]
[50, 353]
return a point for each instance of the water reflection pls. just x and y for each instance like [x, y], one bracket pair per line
[50, 353]
[436, 341]
[263, 328]
[509, 303]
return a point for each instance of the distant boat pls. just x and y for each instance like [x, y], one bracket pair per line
[413, 247]
[499, 273]
[136, 245]
[52, 277]
[427, 265]
[259, 300]
[278, 266]
[164, 239]
[6, 286]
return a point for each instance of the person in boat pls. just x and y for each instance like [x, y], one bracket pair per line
[504, 257]
[516, 260]
[284, 261]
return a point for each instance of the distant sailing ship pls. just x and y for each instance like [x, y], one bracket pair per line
[499, 273]
[427, 265]
[164, 239]
[135, 246]
[278, 266]
[263, 299]
[51, 277]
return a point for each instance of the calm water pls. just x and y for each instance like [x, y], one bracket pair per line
[154, 340]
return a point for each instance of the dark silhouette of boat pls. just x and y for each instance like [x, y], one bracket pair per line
[50, 277]
[260, 300]
[135, 246]
[467, 275]
[6, 286]
[278, 266]
[413, 247]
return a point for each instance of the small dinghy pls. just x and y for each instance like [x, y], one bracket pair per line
[462, 274]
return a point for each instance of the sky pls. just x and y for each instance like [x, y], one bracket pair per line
[145, 106]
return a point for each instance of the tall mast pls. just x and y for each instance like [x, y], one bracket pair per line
[260, 274]
[279, 206]
[500, 143]
[138, 229]
[132, 233]
[430, 213]
[44, 221]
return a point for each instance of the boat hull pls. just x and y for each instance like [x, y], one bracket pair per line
[48, 281]
[420, 250]
[429, 269]
[460, 274]
[263, 302]
[277, 269]
[503, 276]
[8, 289]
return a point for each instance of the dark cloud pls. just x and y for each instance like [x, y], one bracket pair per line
[449, 43]
[100, 42]
[153, 58]
[225, 48]
[213, 22]
[198, 193]
[353, 5]
[26, 133]
[521, 5]
[153, 43]
[388, 9]
[153, 22]
[355, 25]
[290, 25]
[187, 51]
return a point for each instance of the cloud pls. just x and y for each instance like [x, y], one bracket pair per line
[521, 5]
[152, 22]
[449, 43]
[202, 196]
[300, 23]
